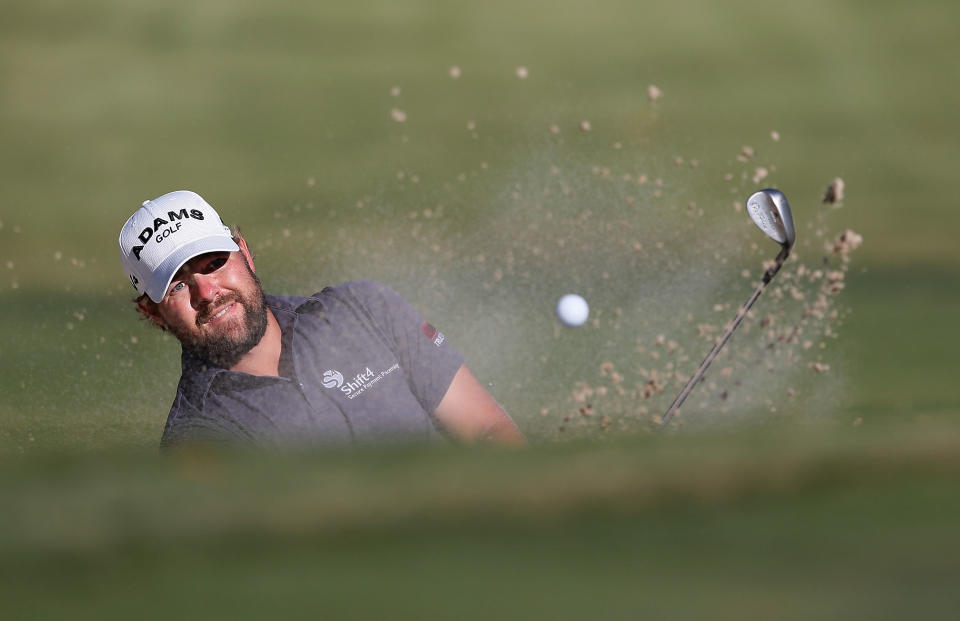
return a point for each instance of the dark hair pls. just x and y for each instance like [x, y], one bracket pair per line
[142, 302]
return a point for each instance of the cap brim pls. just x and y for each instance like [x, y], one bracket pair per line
[165, 272]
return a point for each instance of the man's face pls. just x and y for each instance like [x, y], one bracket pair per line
[215, 307]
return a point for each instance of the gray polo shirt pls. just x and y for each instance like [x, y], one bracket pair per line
[358, 364]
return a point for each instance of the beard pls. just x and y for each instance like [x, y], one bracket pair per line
[224, 347]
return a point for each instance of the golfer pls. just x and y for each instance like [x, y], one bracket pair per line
[352, 364]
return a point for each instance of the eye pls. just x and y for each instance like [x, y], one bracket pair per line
[177, 286]
[214, 264]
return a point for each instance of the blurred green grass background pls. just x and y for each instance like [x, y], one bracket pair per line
[279, 114]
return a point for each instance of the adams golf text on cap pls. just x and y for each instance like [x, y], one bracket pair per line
[164, 234]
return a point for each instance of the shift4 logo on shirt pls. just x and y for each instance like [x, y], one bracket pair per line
[332, 379]
[358, 384]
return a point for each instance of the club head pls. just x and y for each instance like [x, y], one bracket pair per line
[770, 211]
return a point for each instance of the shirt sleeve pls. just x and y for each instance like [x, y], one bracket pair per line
[425, 355]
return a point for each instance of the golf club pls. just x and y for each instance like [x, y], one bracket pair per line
[770, 211]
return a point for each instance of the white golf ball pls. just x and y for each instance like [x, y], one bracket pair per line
[572, 310]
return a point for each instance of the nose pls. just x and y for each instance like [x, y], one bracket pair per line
[204, 289]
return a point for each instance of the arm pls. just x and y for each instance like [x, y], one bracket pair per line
[470, 414]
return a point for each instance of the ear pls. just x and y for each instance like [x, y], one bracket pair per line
[245, 251]
[150, 309]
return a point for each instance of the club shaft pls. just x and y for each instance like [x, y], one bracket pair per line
[767, 277]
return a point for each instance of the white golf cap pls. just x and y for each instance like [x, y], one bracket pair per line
[164, 234]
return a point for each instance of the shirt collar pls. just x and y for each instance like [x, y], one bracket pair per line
[196, 376]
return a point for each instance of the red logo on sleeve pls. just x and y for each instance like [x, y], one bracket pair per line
[428, 331]
[432, 333]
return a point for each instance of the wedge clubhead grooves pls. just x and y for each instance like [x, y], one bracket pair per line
[770, 211]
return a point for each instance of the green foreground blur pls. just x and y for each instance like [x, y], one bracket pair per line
[789, 526]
